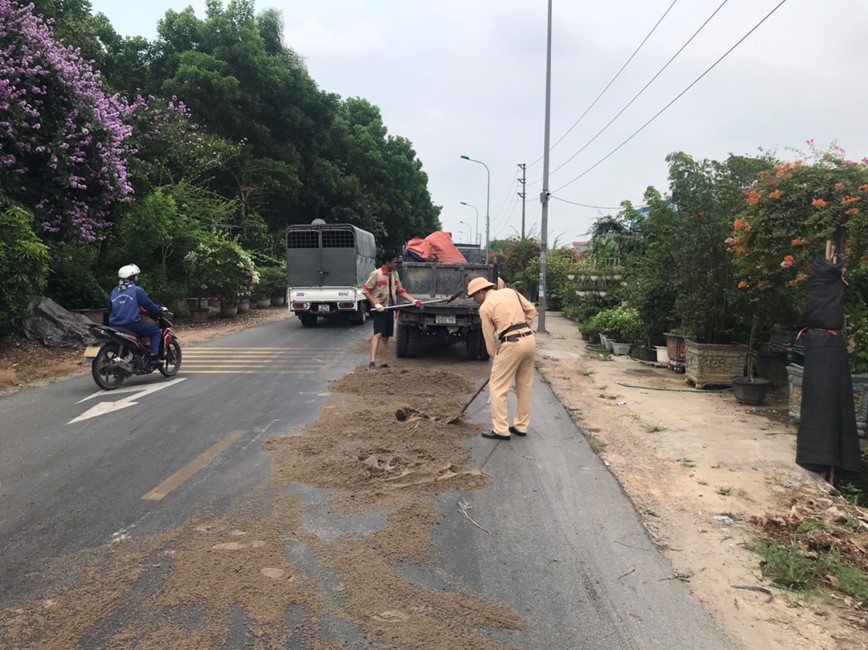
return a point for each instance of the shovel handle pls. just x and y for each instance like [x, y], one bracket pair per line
[475, 395]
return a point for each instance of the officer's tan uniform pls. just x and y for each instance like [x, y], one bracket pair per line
[503, 310]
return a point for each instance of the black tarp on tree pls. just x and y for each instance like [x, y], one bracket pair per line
[827, 437]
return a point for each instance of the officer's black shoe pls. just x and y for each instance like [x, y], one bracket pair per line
[517, 432]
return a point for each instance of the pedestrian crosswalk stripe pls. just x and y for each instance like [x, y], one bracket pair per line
[247, 361]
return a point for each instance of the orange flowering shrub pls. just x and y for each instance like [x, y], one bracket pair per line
[788, 216]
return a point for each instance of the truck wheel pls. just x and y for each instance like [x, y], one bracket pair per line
[401, 341]
[414, 341]
[307, 320]
[476, 345]
[360, 316]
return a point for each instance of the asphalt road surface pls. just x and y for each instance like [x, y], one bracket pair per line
[81, 467]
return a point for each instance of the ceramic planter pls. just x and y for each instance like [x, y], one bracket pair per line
[620, 349]
[277, 301]
[750, 392]
[711, 364]
[244, 306]
[662, 354]
[229, 311]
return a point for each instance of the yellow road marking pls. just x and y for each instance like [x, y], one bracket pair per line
[190, 469]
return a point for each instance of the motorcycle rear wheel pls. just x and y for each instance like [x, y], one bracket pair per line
[107, 376]
[172, 363]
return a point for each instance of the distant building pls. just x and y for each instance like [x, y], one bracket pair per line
[581, 246]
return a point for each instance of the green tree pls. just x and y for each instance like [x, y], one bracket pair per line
[24, 263]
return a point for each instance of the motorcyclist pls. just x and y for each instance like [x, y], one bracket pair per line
[124, 305]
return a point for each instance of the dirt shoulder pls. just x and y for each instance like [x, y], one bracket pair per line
[698, 466]
[25, 363]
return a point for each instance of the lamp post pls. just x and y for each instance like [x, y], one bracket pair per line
[487, 201]
[470, 205]
[469, 231]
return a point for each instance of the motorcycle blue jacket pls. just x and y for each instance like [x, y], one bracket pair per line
[124, 303]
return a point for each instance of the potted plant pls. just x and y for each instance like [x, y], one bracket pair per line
[747, 388]
[225, 269]
[626, 329]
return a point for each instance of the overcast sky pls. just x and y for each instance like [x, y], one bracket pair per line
[468, 77]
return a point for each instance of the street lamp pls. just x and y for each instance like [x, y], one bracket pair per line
[487, 201]
[469, 231]
[470, 205]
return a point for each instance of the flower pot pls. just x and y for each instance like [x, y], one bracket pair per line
[199, 314]
[244, 306]
[675, 347]
[594, 339]
[229, 311]
[277, 301]
[750, 392]
[262, 302]
[603, 338]
[620, 349]
[646, 354]
[204, 303]
[610, 344]
[585, 336]
[711, 364]
[662, 354]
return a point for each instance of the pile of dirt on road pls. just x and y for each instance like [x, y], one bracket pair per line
[328, 554]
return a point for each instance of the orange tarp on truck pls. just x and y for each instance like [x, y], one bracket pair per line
[436, 247]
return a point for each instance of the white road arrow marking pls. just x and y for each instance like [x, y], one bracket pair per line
[107, 407]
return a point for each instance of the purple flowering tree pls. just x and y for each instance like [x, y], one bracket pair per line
[63, 140]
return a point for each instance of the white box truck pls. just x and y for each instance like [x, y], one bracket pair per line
[326, 266]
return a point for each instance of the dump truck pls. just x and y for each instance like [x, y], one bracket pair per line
[448, 323]
[326, 267]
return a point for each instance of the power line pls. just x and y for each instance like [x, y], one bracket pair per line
[608, 85]
[677, 97]
[644, 88]
[507, 197]
[585, 205]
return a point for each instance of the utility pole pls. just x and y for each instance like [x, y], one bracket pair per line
[545, 194]
[523, 193]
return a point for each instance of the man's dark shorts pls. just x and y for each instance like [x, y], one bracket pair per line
[384, 322]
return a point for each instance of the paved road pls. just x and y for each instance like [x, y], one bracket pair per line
[568, 552]
[67, 485]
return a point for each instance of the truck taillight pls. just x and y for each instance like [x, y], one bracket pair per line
[346, 305]
[300, 306]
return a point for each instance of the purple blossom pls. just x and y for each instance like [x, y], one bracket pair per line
[87, 181]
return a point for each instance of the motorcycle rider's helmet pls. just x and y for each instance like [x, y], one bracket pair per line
[129, 271]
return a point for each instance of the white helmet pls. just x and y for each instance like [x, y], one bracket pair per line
[128, 271]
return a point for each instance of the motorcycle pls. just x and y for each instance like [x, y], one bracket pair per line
[119, 353]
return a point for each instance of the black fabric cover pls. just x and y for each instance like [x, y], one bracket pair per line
[827, 434]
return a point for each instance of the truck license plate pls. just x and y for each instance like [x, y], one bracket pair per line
[324, 309]
[444, 319]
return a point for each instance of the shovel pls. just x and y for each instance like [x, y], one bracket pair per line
[456, 419]
[429, 302]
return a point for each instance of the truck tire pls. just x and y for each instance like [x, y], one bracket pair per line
[401, 340]
[476, 346]
[360, 316]
[307, 320]
[414, 342]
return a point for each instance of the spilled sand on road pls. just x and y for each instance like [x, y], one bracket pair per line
[280, 569]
